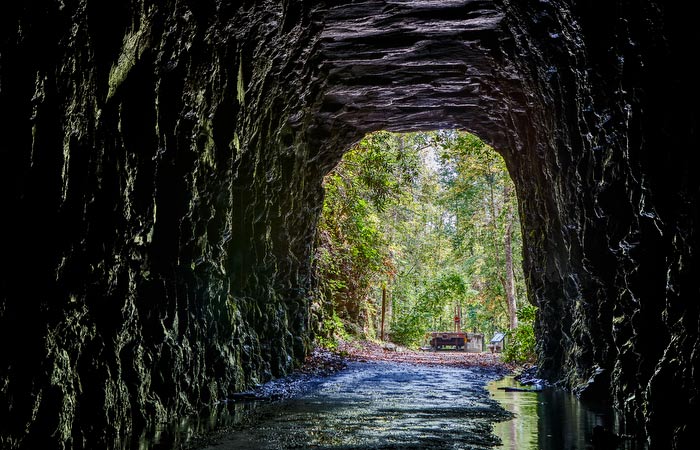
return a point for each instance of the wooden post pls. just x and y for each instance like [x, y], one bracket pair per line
[459, 314]
[381, 335]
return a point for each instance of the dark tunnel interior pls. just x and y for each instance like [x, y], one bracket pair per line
[161, 181]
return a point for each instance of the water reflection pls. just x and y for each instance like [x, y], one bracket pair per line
[191, 431]
[371, 406]
[552, 419]
[521, 432]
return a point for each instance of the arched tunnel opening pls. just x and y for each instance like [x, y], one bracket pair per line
[162, 178]
[419, 234]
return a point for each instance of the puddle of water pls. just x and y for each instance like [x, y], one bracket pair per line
[389, 406]
[552, 419]
[191, 431]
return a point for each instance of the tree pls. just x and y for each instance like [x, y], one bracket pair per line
[474, 175]
[353, 251]
[509, 280]
[432, 218]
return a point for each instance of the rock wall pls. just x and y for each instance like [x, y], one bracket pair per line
[161, 173]
[158, 211]
[609, 205]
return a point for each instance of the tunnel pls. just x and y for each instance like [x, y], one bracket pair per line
[161, 183]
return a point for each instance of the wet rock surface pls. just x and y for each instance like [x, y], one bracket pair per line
[528, 376]
[379, 405]
[161, 181]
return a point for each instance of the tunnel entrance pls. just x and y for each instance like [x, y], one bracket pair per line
[420, 233]
[164, 182]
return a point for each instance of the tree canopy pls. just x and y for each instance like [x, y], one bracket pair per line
[431, 219]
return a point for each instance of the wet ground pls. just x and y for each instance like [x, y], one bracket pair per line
[378, 405]
[554, 419]
[385, 400]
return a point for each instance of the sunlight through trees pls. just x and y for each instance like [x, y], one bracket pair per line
[430, 218]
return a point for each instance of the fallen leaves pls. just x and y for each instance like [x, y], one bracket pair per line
[322, 362]
[372, 351]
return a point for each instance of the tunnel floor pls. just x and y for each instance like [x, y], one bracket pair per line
[390, 405]
[379, 405]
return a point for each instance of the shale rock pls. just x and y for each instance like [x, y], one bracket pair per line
[161, 181]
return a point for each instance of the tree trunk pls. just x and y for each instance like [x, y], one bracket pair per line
[381, 331]
[509, 279]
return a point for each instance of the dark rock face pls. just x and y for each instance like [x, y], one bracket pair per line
[150, 189]
[161, 173]
[610, 216]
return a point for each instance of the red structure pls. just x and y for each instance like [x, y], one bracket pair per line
[439, 340]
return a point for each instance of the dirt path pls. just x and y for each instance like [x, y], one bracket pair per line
[381, 400]
[371, 351]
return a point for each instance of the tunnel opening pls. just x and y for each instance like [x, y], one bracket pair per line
[164, 251]
[420, 233]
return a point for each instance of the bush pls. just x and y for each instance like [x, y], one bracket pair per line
[409, 330]
[520, 346]
[331, 330]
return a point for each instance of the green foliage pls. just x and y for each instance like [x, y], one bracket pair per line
[480, 193]
[424, 214]
[353, 249]
[332, 330]
[441, 293]
[520, 346]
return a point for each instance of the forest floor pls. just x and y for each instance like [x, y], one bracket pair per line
[373, 351]
[322, 363]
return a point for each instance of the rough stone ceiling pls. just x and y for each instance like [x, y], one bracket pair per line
[412, 65]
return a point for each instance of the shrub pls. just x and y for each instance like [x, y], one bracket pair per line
[331, 330]
[520, 347]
